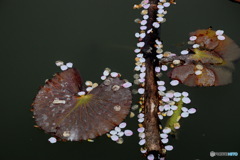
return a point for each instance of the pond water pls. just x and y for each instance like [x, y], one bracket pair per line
[98, 34]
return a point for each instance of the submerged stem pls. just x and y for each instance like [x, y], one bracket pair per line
[173, 120]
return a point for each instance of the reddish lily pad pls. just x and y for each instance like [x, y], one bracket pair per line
[60, 111]
[210, 76]
[216, 57]
[227, 49]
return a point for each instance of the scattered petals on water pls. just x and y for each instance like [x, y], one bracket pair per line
[52, 140]
[157, 69]
[106, 73]
[196, 46]
[174, 82]
[160, 117]
[186, 100]
[219, 32]
[89, 89]
[140, 44]
[114, 74]
[167, 107]
[169, 147]
[63, 67]
[103, 77]
[193, 38]
[176, 125]
[184, 109]
[123, 125]
[118, 129]
[177, 94]
[141, 135]
[192, 111]
[142, 75]
[146, 6]
[174, 107]
[166, 130]
[141, 129]
[176, 99]
[184, 52]
[69, 65]
[160, 83]
[198, 72]
[156, 25]
[163, 135]
[141, 90]
[88, 83]
[143, 22]
[143, 150]
[142, 35]
[161, 108]
[140, 120]
[185, 94]
[176, 61]
[160, 19]
[59, 63]
[128, 132]
[143, 28]
[137, 35]
[166, 4]
[120, 134]
[165, 140]
[164, 68]
[150, 157]
[114, 137]
[169, 113]
[165, 99]
[145, 16]
[184, 114]
[127, 85]
[137, 50]
[169, 95]
[120, 141]
[162, 88]
[141, 115]
[137, 68]
[221, 38]
[81, 93]
[113, 132]
[143, 69]
[159, 56]
[142, 142]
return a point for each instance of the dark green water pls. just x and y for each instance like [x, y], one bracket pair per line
[98, 34]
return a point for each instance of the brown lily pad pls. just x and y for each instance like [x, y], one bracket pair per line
[60, 111]
[210, 76]
[227, 49]
[214, 55]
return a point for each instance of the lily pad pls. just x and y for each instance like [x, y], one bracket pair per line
[59, 110]
[215, 55]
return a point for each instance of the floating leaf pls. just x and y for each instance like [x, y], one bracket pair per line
[60, 111]
[173, 121]
[206, 57]
[227, 49]
[209, 76]
[215, 56]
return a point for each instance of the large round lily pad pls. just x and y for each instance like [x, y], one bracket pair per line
[60, 111]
